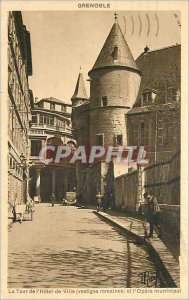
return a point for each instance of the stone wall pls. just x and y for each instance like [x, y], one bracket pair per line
[170, 221]
[126, 191]
[109, 121]
[163, 180]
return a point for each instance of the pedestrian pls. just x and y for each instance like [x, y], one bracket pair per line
[28, 203]
[139, 208]
[15, 207]
[152, 213]
[98, 200]
[64, 201]
[53, 199]
[14, 211]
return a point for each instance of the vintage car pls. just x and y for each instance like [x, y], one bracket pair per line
[70, 198]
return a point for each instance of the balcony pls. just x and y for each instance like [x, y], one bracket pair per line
[50, 127]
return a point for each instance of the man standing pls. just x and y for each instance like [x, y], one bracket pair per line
[152, 213]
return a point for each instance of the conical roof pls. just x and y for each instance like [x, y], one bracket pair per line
[80, 90]
[107, 56]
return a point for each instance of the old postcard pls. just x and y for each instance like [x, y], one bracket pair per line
[94, 102]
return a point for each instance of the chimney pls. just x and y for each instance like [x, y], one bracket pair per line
[36, 99]
[146, 49]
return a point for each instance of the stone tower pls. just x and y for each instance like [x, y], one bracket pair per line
[114, 85]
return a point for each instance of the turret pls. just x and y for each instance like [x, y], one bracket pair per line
[80, 94]
[80, 113]
[114, 85]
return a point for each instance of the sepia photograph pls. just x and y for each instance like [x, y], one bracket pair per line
[93, 152]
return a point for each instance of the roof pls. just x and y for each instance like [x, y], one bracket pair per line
[53, 100]
[161, 69]
[64, 115]
[80, 90]
[124, 56]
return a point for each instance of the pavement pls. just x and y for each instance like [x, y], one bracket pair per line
[136, 228]
[171, 244]
[66, 246]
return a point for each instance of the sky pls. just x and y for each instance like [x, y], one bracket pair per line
[64, 41]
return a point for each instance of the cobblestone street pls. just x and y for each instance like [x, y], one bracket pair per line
[72, 247]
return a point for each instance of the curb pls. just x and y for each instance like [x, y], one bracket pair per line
[155, 247]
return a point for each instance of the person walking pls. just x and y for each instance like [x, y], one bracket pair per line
[53, 199]
[152, 213]
[98, 200]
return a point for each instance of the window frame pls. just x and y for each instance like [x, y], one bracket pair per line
[104, 101]
[97, 136]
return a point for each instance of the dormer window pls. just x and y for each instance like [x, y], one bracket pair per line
[115, 53]
[147, 97]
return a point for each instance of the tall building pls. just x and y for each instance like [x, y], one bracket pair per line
[20, 100]
[50, 125]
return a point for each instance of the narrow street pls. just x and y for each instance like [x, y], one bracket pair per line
[72, 247]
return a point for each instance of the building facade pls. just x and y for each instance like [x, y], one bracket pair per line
[50, 125]
[131, 103]
[154, 121]
[20, 101]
